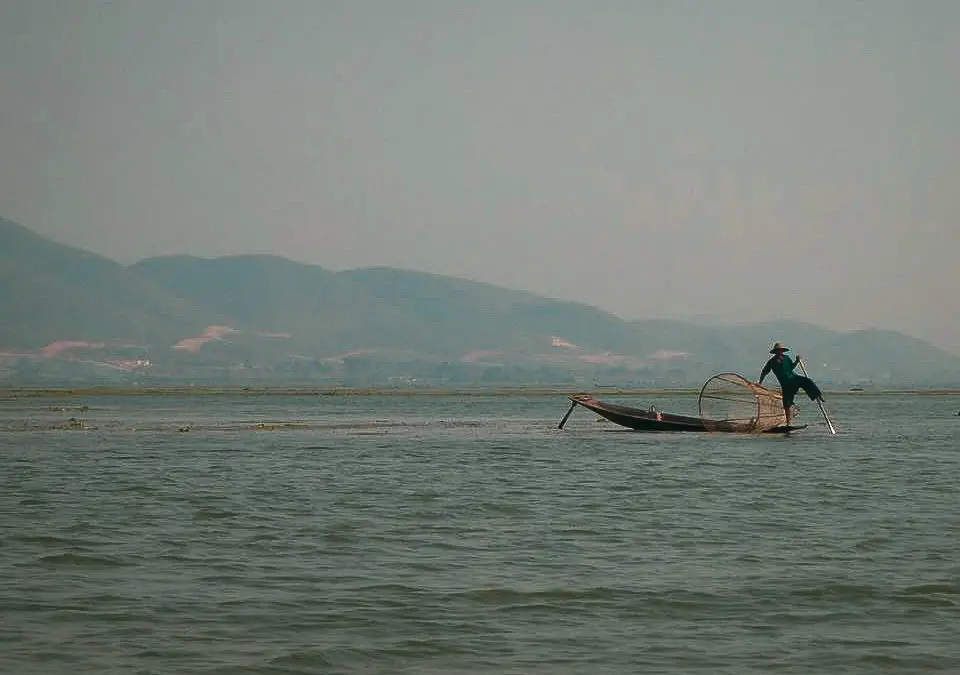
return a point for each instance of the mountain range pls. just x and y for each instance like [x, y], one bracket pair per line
[69, 315]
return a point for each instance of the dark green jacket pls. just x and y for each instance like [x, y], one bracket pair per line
[781, 367]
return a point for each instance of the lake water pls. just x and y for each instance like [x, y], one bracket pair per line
[467, 534]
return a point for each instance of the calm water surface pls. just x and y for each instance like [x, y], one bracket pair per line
[431, 534]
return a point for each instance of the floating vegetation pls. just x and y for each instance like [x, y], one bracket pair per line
[273, 426]
[77, 424]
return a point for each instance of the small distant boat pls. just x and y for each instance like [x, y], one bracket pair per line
[728, 403]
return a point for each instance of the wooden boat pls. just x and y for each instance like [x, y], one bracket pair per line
[654, 420]
[728, 403]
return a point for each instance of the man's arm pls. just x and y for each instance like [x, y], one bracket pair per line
[766, 369]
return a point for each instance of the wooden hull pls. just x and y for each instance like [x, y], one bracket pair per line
[651, 420]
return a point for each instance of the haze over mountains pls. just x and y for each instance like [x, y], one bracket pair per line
[68, 315]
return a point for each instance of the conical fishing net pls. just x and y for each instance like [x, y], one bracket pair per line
[733, 403]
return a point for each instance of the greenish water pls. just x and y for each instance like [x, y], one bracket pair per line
[432, 534]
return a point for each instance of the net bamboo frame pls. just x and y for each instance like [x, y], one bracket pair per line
[732, 402]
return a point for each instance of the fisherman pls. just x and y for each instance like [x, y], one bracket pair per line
[790, 382]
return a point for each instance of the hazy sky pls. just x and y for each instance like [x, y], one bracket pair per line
[745, 159]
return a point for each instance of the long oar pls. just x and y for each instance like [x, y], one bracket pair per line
[819, 402]
[564, 420]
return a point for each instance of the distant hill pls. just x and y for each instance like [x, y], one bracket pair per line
[51, 292]
[321, 312]
[264, 318]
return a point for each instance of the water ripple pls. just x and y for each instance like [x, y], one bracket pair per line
[379, 535]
